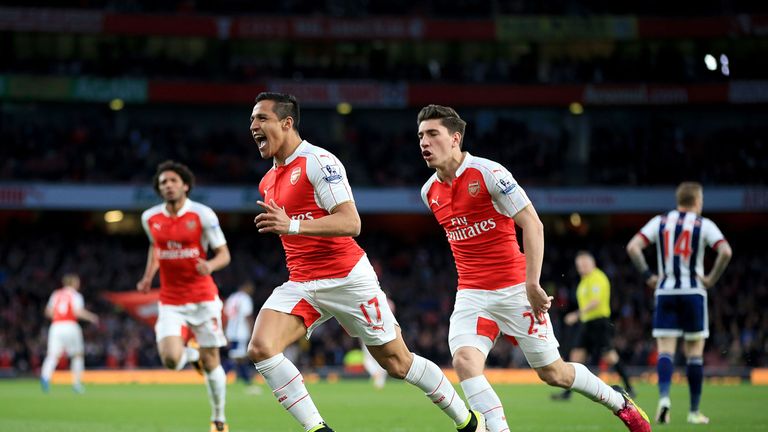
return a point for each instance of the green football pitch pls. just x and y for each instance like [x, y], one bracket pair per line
[347, 406]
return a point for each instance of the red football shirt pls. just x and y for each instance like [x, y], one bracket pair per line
[179, 241]
[65, 302]
[309, 186]
[476, 211]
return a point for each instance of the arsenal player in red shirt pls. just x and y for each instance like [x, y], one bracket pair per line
[180, 232]
[308, 202]
[478, 203]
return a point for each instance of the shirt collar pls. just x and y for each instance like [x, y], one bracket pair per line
[184, 208]
[467, 159]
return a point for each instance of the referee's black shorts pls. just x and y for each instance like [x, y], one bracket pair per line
[595, 336]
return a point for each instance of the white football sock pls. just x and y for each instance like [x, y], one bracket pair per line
[287, 385]
[77, 367]
[193, 354]
[216, 383]
[189, 355]
[481, 397]
[586, 383]
[428, 377]
[49, 365]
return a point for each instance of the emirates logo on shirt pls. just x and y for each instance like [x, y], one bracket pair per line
[474, 188]
[295, 174]
[466, 231]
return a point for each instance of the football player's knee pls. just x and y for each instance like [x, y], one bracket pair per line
[396, 367]
[259, 350]
[209, 363]
[552, 377]
[169, 362]
[465, 363]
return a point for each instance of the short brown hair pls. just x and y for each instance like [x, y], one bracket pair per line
[687, 192]
[70, 279]
[448, 117]
[179, 168]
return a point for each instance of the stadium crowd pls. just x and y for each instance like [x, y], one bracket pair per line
[468, 62]
[417, 273]
[624, 148]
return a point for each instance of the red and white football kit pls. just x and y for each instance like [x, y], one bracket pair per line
[476, 211]
[65, 334]
[187, 298]
[329, 276]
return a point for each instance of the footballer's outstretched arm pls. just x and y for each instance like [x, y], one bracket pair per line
[149, 271]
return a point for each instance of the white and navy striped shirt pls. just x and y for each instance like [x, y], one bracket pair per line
[680, 239]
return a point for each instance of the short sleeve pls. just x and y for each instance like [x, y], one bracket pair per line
[211, 229]
[508, 196]
[711, 233]
[329, 179]
[145, 225]
[651, 230]
[77, 302]
[247, 306]
[425, 190]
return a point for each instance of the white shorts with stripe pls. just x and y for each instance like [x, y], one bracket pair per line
[356, 301]
[203, 320]
[481, 316]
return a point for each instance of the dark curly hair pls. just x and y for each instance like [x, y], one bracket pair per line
[179, 168]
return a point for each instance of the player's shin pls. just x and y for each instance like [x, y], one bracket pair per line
[428, 377]
[287, 385]
[49, 365]
[482, 398]
[216, 383]
[665, 367]
[586, 383]
[78, 365]
[694, 372]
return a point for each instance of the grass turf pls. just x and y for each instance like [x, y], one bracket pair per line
[347, 406]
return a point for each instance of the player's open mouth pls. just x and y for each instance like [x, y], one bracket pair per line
[426, 154]
[261, 140]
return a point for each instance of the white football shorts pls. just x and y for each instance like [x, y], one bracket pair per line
[65, 336]
[356, 301]
[480, 316]
[203, 320]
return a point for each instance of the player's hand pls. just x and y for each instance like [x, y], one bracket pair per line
[707, 281]
[540, 301]
[652, 281]
[203, 267]
[571, 318]
[273, 220]
[143, 285]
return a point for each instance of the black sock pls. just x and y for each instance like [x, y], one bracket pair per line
[623, 374]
